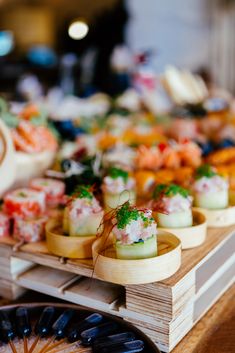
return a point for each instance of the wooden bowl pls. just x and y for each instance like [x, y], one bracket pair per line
[33, 165]
[66, 246]
[194, 236]
[219, 218]
[107, 267]
[7, 159]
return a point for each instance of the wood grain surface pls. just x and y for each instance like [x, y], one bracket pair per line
[215, 332]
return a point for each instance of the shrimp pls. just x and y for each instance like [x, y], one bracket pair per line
[148, 158]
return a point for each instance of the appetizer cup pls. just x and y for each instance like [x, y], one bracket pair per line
[66, 246]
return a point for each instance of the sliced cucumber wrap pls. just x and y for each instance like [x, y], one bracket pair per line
[114, 200]
[141, 250]
[213, 201]
[175, 220]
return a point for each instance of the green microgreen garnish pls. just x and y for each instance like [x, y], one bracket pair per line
[127, 213]
[115, 173]
[83, 192]
[205, 171]
[22, 194]
[169, 191]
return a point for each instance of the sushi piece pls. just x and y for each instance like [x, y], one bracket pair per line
[173, 206]
[24, 203]
[118, 187]
[211, 191]
[135, 233]
[4, 225]
[29, 230]
[84, 213]
[54, 189]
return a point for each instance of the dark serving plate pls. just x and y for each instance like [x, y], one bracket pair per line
[35, 309]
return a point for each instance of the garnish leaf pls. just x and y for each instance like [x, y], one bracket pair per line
[169, 191]
[126, 214]
[83, 192]
[205, 171]
[115, 173]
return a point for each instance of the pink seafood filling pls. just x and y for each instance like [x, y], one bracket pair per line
[4, 225]
[210, 185]
[30, 230]
[137, 230]
[84, 207]
[54, 189]
[117, 185]
[177, 203]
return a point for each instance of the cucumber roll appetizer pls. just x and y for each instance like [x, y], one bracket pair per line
[83, 213]
[211, 191]
[173, 206]
[118, 187]
[135, 233]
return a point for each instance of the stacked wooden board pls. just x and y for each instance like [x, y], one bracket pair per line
[166, 310]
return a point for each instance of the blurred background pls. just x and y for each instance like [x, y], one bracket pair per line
[80, 44]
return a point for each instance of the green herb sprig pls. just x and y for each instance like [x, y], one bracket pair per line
[169, 191]
[205, 171]
[83, 192]
[115, 173]
[126, 214]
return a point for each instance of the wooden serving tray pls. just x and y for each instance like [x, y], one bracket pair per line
[165, 310]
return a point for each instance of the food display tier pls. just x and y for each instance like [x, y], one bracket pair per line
[166, 311]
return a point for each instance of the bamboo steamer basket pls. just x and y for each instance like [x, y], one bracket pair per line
[194, 236]
[7, 159]
[107, 267]
[66, 246]
[219, 218]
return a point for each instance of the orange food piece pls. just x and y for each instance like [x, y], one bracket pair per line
[107, 140]
[164, 176]
[183, 176]
[145, 180]
[28, 132]
[171, 158]
[29, 111]
[131, 137]
[223, 156]
[148, 158]
[31, 139]
[190, 155]
[21, 144]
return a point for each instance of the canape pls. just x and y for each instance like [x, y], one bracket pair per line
[135, 233]
[173, 206]
[118, 187]
[24, 203]
[84, 213]
[172, 209]
[211, 191]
